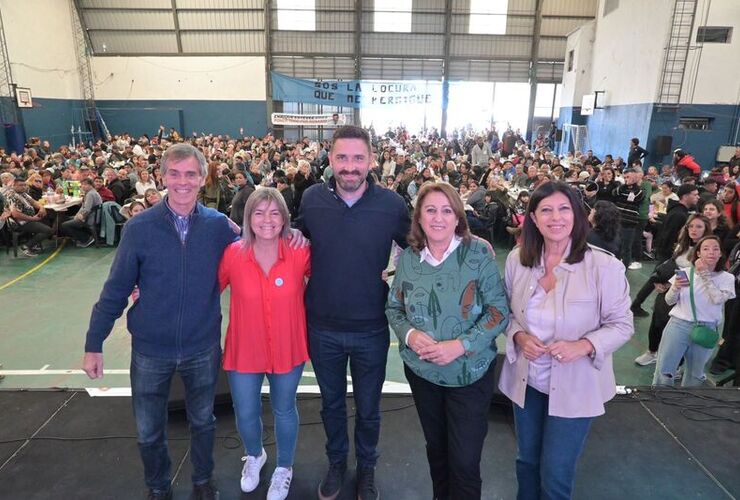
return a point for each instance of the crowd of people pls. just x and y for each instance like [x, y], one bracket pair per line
[240, 212]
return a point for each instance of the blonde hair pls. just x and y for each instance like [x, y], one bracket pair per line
[270, 195]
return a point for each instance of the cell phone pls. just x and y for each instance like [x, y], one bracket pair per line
[682, 274]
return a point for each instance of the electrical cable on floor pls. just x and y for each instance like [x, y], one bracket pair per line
[693, 405]
[231, 441]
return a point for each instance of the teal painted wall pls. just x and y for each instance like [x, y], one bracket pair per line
[52, 118]
[49, 119]
[218, 117]
[702, 144]
[611, 128]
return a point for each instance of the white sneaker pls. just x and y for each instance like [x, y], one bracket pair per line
[646, 358]
[251, 471]
[634, 266]
[678, 376]
[280, 484]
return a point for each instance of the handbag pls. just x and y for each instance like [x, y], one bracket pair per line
[701, 335]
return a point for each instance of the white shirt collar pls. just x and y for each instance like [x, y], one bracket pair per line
[426, 255]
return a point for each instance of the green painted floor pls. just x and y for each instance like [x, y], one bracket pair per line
[45, 316]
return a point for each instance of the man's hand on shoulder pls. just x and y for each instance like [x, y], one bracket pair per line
[234, 226]
[296, 239]
[92, 364]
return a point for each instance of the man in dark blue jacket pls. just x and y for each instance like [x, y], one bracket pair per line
[171, 253]
[351, 223]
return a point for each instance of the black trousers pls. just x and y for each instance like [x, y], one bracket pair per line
[455, 424]
[77, 230]
[637, 241]
[38, 231]
[627, 237]
[658, 322]
[728, 355]
[644, 292]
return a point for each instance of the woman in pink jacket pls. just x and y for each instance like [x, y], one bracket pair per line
[569, 313]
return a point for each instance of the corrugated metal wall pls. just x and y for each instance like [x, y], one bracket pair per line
[224, 27]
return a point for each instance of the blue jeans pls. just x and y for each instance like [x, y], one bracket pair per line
[246, 395]
[549, 448]
[150, 390]
[675, 345]
[367, 353]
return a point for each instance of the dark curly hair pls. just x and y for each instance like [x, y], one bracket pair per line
[607, 220]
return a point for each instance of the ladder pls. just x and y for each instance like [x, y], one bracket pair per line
[8, 109]
[90, 113]
[676, 54]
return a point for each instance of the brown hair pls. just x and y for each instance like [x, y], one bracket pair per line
[530, 250]
[684, 243]
[416, 238]
[352, 132]
[722, 258]
[212, 175]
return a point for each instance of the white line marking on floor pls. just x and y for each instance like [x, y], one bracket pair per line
[45, 367]
[388, 388]
[16, 373]
[108, 391]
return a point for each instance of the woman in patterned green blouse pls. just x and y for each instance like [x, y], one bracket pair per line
[447, 305]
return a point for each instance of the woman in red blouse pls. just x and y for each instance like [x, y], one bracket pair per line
[266, 333]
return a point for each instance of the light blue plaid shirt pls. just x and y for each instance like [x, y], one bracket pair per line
[182, 224]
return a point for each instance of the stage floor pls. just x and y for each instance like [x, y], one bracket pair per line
[666, 444]
[46, 303]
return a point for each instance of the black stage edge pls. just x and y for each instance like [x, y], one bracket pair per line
[669, 444]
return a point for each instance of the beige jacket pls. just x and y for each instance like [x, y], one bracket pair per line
[593, 302]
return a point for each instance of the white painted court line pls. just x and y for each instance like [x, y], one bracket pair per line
[388, 388]
[44, 371]
[45, 367]
[16, 373]
[108, 391]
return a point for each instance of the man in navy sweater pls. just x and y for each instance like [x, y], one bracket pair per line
[351, 223]
[171, 253]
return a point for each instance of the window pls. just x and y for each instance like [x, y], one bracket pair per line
[547, 100]
[714, 34]
[694, 123]
[571, 57]
[298, 15]
[392, 16]
[610, 6]
[488, 17]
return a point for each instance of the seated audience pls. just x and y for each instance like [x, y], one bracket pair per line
[81, 226]
[26, 216]
[151, 197]
[145, 182]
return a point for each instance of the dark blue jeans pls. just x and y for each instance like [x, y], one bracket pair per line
[549, 448]
[367, 353]
[150, 390]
